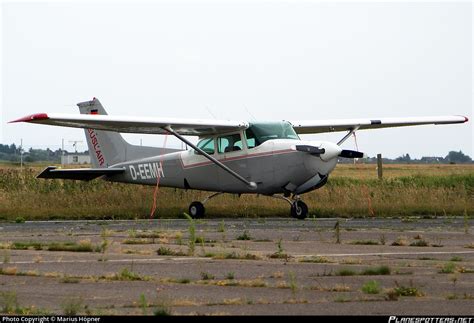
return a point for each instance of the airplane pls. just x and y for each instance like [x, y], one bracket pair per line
[238, 157]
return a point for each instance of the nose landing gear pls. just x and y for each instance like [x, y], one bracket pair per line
[298, 210]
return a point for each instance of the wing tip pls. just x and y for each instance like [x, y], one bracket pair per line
[32, 117]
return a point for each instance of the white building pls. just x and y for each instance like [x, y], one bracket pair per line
[75, 159]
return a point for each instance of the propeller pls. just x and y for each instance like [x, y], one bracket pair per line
[351, 154]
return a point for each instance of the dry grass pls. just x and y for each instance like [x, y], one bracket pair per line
[352, 190]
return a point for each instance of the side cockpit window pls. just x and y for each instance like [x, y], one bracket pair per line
[207, 145]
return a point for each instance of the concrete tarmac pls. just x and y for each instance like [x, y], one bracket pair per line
[268, 266]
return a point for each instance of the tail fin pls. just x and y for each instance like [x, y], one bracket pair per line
[108, 148]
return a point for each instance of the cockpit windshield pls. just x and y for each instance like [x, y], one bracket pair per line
[258, 133]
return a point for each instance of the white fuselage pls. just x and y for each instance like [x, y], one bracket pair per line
[275, 166]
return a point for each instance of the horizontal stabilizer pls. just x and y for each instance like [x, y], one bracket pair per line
[82, 174]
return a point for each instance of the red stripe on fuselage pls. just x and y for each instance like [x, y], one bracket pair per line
[206, 163]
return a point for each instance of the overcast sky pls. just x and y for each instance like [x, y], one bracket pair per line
[268, 60]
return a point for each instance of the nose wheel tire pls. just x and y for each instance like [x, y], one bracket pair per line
[299, 210]
[196, 210]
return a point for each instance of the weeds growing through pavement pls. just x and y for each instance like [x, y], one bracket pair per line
[192, 234]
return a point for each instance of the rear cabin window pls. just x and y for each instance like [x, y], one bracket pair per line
[229, 143]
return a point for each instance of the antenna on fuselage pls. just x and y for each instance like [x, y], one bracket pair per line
[210, 112]
[251, 115]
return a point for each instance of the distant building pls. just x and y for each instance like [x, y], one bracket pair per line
[75, 159]
[432, 160]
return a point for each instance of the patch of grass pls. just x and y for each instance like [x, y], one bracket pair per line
[221, 227]
[470, 246]
[411, 291]
[464, 270]
[26, 245]
[448, 268]
[138, 241]
[230, 275]
[342, 299]
[277, 274]
[183, 280]
[10, 271]
[292, 283]
[392, 295]
[148, 235]
[81, 246]
[207, 276]
[401, 241]
[382, 239]
[339, 288]
[200, 240]
[6, 256]
[143, 304]
[419, 243]
[31, 273]
[468, 296]
[234, 255]
[179, 238]
[279, 254]
[19, 219]
[371, 287]
[258, 282]
[163, 251]
[162, 311]
[451, 296]
[128, 275]
[69, 280]
[456, 258]
[381, 270]
[104, 234]
[351, 261]
[8, 302]
[337, 232]
[345, 272]
[364, 242]
[192, 234]
[244, 236]
[72, 306]
[316, 260]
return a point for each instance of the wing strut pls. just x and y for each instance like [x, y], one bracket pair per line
[348, 135]
[252, 185]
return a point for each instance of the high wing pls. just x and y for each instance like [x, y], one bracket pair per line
[320, 126]
[129, 124]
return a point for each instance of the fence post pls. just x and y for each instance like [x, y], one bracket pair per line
[379, 166]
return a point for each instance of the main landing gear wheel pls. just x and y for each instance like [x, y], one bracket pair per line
[299, 210]
[196, 210]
